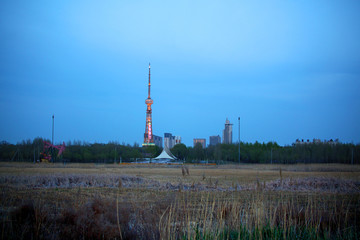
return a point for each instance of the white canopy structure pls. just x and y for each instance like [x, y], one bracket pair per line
[165, 154]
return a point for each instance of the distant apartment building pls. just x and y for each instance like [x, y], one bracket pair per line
[316, 141]
[202, 141]
[302, 141]
[170, 141]
[214, 140]
[227, 132]
[158, 141]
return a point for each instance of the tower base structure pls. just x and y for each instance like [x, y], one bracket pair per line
[148, 144]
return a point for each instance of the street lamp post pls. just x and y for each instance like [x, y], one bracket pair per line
[52, 140]
[239, 139]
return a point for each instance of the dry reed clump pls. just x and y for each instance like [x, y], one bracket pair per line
[214, 217]
[309, 184]
[97, 219]
[97, 180]
[75, 180]
[314, 184]
[185, 170]
[190, 215]
[28, 221]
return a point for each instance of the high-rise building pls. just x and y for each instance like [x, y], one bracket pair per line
[202, 141]
[214, 140]
[148, 136]
[158, 141]
[227, 132]
[170, 141]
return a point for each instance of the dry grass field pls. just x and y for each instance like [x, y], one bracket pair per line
[150, 201]
[226, 175]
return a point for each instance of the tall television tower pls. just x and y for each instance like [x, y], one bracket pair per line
[148, 136]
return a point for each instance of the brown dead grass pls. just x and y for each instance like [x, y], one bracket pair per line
[90, 213]
[39, 200]
[224, 175]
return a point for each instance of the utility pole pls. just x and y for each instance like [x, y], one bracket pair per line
[352, 156]
[239, 140]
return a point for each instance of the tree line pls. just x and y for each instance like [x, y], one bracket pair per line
[271, 152]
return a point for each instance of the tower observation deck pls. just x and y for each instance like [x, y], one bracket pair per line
[148, 136]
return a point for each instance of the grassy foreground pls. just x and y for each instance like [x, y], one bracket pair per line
[87, 201]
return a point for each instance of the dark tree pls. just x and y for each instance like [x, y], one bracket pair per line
[180, 151]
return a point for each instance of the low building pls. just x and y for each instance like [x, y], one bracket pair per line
[202, 141]
[214, 140]
[158, 141]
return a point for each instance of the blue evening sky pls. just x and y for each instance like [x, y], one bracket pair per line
[289, 69]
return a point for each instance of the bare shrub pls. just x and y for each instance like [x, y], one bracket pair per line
[99, 219]
[24, 220]
[30, 220]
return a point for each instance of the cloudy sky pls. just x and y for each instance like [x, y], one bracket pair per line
[289, 69]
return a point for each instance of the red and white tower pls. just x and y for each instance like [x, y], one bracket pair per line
[148, 136]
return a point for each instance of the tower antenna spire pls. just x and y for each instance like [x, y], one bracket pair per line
[149, 83]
